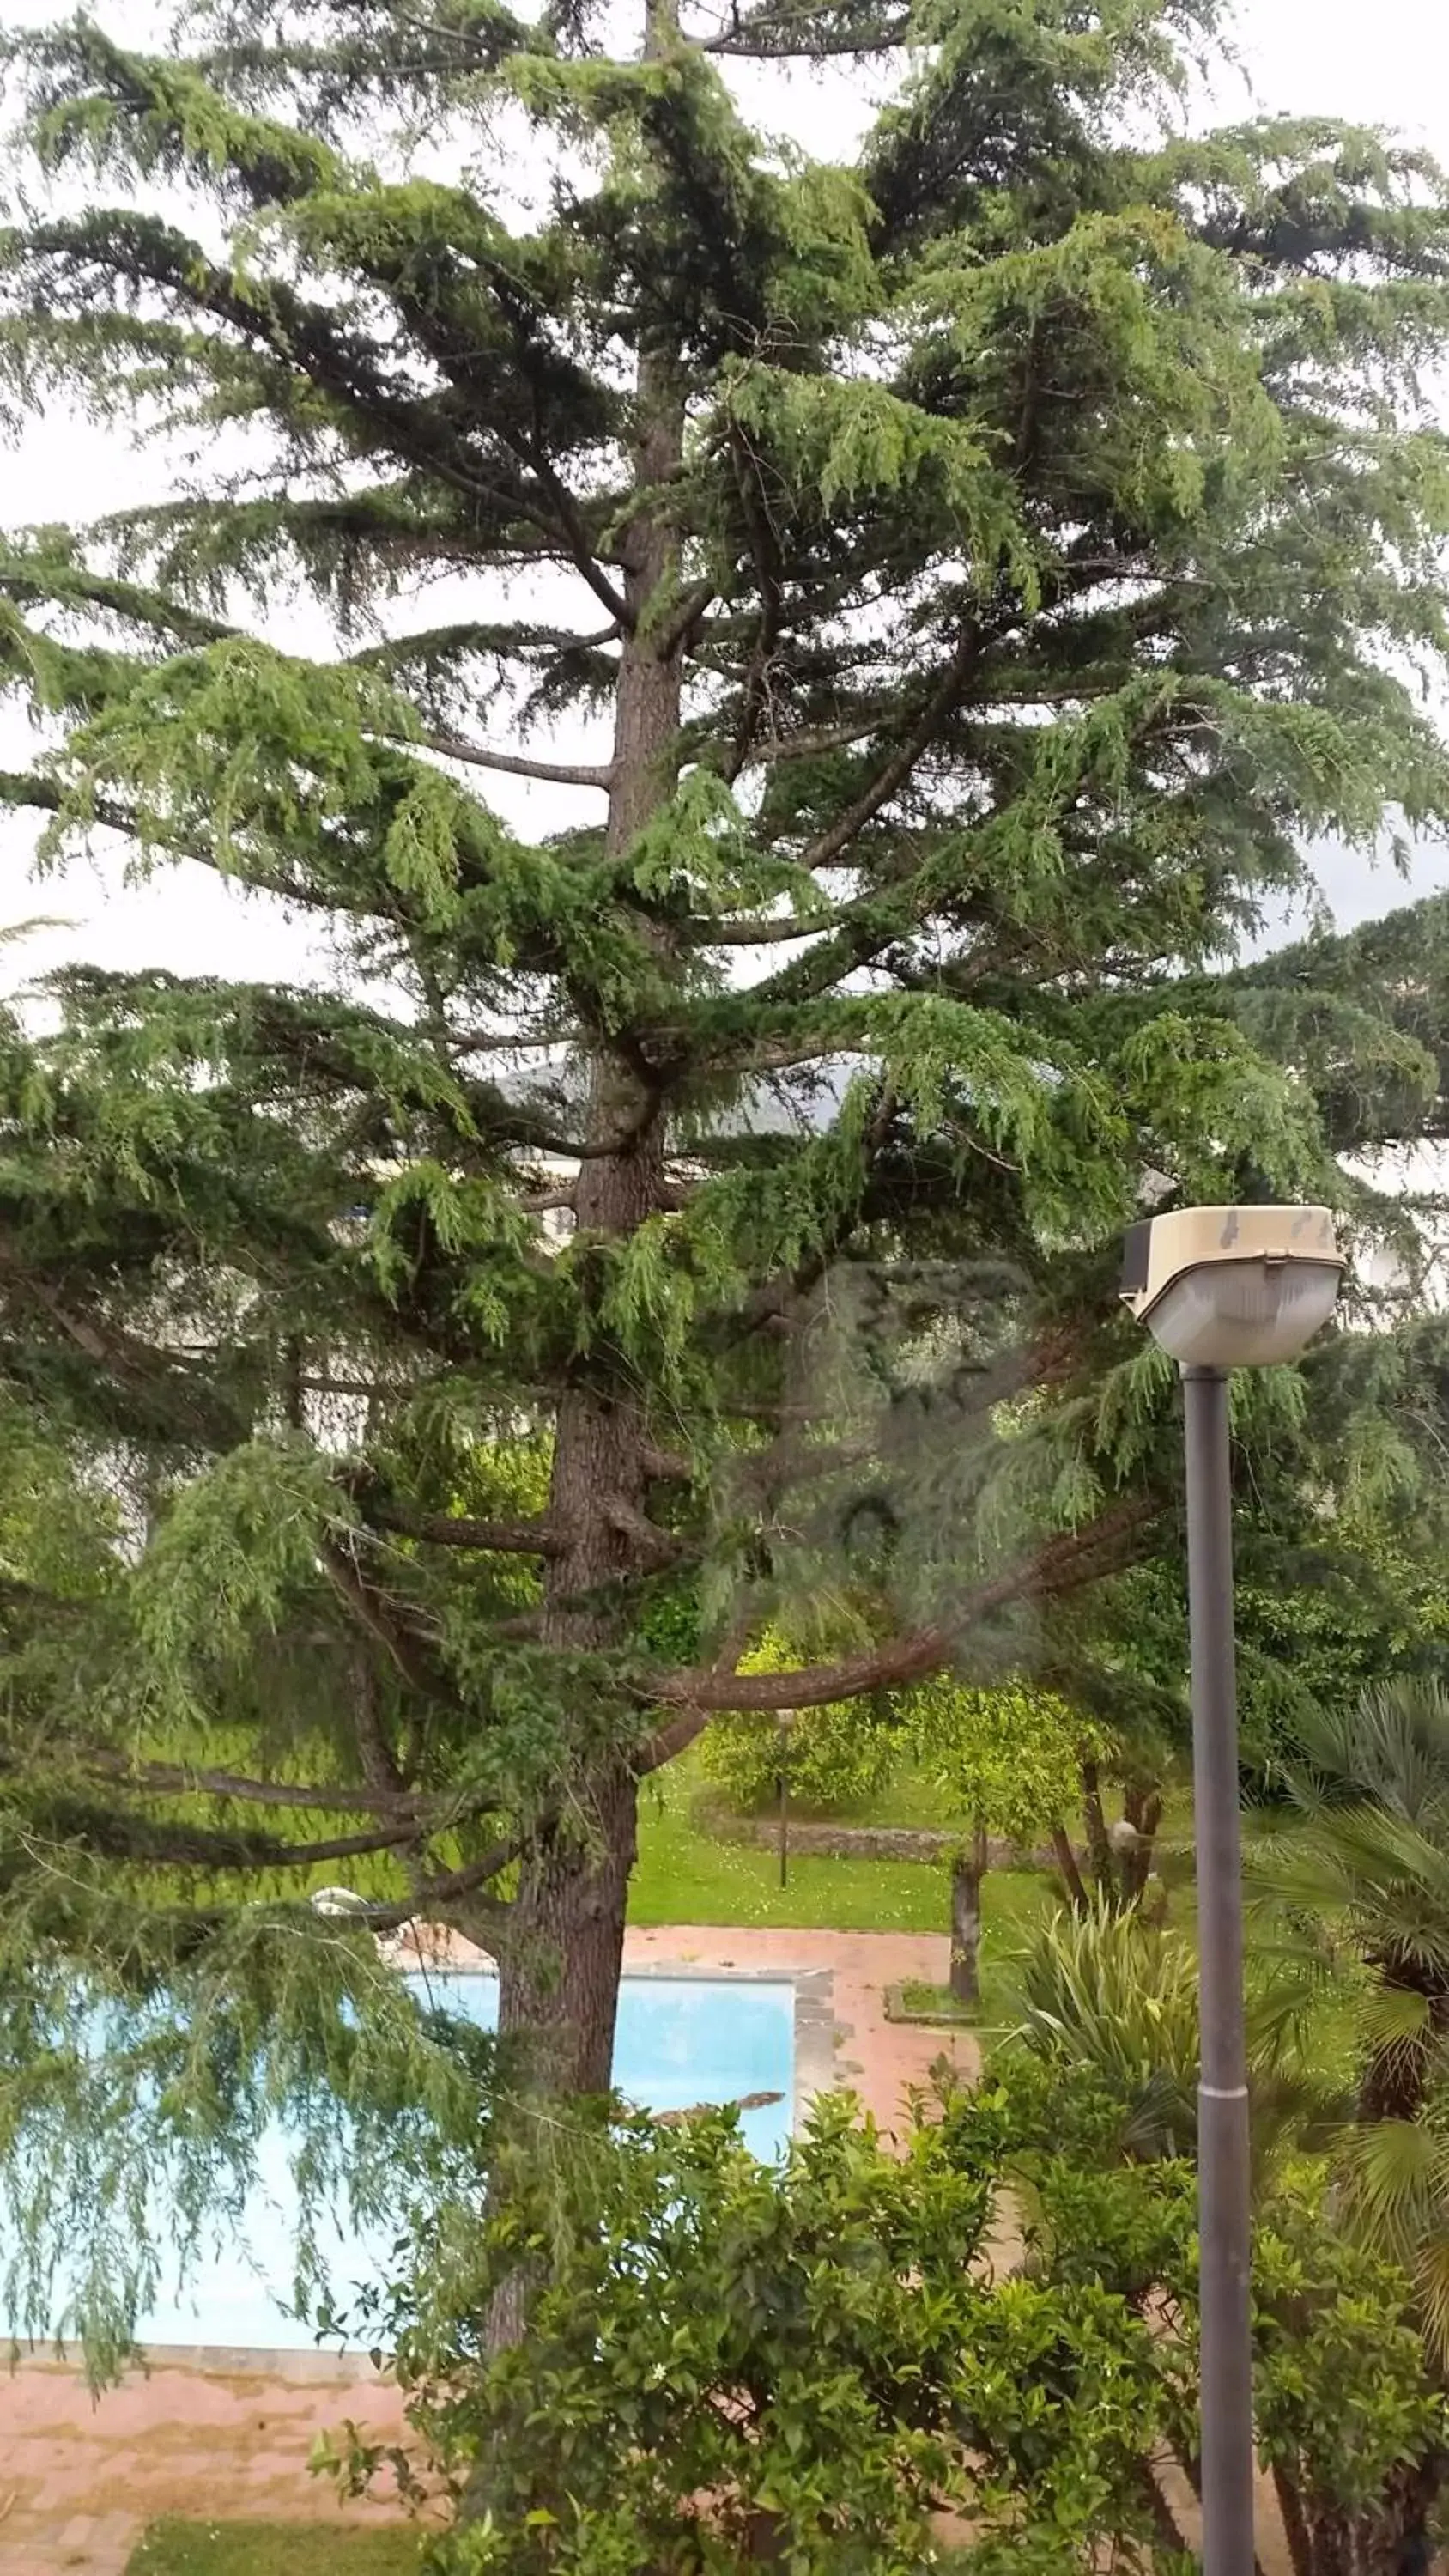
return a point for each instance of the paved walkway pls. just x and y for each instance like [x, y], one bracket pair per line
[78, 2483]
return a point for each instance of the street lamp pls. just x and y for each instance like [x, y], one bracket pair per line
[1224, 1288]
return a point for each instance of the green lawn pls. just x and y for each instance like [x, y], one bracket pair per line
[273, 2549]
[281, 2549]
[688, 1876]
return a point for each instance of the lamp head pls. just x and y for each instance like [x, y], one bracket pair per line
[1233, 1287]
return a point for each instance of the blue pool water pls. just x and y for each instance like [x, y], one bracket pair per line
[680, 2041]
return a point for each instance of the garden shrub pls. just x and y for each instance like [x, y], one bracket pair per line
[838, 1755]
[730, 2366]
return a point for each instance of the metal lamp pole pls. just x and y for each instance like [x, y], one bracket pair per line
[1221, 1288]
[1224, 2199]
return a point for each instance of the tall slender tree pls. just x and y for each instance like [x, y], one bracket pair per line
[948, 581]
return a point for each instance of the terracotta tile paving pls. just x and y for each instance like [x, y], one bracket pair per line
[78, 2483]
[228, 2435]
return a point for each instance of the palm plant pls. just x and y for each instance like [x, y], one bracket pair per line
[1107, 1989]
[1365, 1854]
[1362, 1858]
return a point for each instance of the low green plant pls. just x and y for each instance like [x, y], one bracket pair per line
[925, 2002]
[1106, 1991]
[1114, 1994]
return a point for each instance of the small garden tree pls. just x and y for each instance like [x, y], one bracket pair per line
[1009, 1762]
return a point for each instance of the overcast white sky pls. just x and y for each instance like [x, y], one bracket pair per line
[1383, 63]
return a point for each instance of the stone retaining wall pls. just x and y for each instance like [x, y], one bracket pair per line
[814, 1841]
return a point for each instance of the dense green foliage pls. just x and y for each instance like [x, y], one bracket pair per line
[1008, 1760]
[926, 598]
[832, 1755]
[733, 2365]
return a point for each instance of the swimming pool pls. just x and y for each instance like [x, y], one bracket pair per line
[680, 2040]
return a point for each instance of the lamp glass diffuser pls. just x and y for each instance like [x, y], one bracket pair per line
[1244, 1314]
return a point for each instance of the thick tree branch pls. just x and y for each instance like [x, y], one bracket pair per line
[897, 769]
[574, 529]
[811, 741]
[670, 1466]
[167, 1378]
[47, 797]
[766, 932]
[27, 583]
[770, 40]
[383, 1623]
[180, 1779]
[769, 573]
[431, 1894]
[686, 617]
[550, 773]
[458, 1529]
[1058, 1566]
[382, 1767]
[657, 1548]
[152, 1842]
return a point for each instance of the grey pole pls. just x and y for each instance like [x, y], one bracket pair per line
[1224, 2205]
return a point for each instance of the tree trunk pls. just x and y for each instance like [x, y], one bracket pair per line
[561, 1960]
[968, 1869]
[1334, 2553]
[559, 1977]
[1098, 1843]
[1067, 1864]
[559, 1983]
[1143, 1811]
[1404, 2546]
[1164, 2520]
[1295, 2524]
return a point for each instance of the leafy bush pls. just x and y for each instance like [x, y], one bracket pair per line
[730, 2365]
[838, 1755]
[1351, 2421]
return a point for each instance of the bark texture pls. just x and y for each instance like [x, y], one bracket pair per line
[559, 1979]
[1066, 1861]
[968, 1869]
[1094, 1816]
